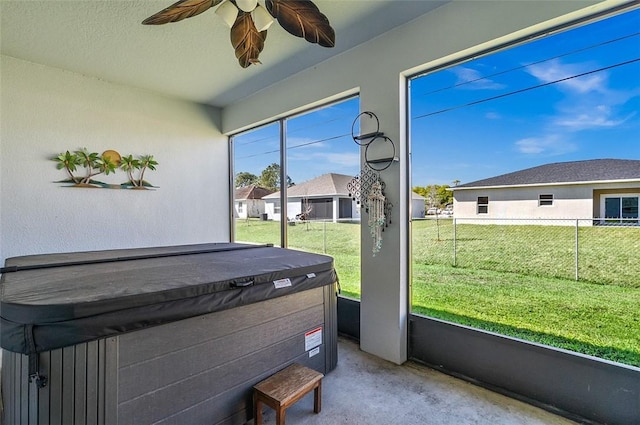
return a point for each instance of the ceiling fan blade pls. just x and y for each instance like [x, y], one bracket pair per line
[180, 10]
[247, 40]
[302, 18]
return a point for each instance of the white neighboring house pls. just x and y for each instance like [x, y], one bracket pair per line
[591, 189]
[325, 197]
[417, 205]
[248, 202]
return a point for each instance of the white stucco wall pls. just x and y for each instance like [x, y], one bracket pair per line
[570, 202]
[269, 208]
[417, 208]
[250, 207]
[294, 207]
[46, 111]
[376, 70]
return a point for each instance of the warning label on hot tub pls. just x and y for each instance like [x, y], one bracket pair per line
[282, 283]
[312, 339]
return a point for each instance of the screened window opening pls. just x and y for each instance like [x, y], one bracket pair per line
[545, 200]
[315, 213]
[554, 115]
[483, 204]
[621, 209]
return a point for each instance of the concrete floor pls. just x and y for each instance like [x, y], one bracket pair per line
[364, 389]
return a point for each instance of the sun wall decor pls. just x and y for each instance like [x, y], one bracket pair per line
[82, 166]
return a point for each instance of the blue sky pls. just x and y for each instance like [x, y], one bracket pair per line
[469, 123]
[318, 142]
[592, 116]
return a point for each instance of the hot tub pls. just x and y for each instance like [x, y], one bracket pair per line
[159, 335]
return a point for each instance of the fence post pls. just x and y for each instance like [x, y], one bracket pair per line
[324, 236]
[454, 242]
[577, 273]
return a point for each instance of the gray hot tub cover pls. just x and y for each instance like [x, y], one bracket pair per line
[56, 300]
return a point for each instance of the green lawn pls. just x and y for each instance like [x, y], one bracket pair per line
[339, 240]
[606, 255]
[514, 280]
[599, 320]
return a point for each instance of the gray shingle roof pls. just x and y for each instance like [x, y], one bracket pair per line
[565, 172]
[329, 184]
[250, 192]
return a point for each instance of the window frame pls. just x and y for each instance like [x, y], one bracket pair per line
[619, 196]
[546, 199]
[482, 207]
[280, 208]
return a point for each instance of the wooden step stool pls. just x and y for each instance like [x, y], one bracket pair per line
[284, 388]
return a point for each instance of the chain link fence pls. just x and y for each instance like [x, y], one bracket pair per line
[599, 251]
[592, 250]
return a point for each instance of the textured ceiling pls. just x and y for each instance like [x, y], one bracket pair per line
[192, 59]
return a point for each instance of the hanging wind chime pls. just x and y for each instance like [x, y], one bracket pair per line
[377, 218]
[367, 188]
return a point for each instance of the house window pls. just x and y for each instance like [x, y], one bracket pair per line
[623, 208]
[483, 204]
[276, 207]
[545, 200]
[240, 208]
[320, 209]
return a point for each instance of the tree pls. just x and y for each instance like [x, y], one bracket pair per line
[270, 177]
[129, 164]
[420, 190]
[69, 162]
[437, 195]
[433, 197]
[93, 164]
[444, 196]
[245, 178]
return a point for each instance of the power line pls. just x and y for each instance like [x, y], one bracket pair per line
[289, 132]
[316, 124]
[276, 137]
[615, 40]
[296, 146]
[476, 102]
[319, 141]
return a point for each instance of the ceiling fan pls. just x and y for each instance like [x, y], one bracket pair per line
[249, 21]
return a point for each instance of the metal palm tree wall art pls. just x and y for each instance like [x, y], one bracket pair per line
[249, 21]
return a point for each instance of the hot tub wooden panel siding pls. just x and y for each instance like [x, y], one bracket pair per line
[81, 388]
[198, 370]
[214, 353]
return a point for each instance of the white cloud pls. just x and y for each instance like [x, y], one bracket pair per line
[347, 159]
[550, 145]
[598, 117]
[589, 102]
[325, 160]
[303, 167]
[473, 80]
[492, 116]
[554, 70]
